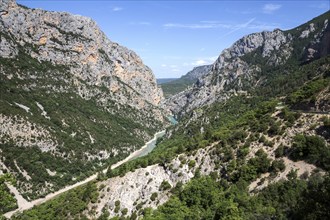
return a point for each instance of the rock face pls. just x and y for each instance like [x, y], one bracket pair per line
[238, 69]
[70, 98]
[135, 190]
[198, 72]
[77, 41]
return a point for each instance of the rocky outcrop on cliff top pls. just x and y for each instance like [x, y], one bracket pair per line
[238, 69]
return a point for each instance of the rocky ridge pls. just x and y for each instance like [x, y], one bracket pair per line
[240, 67]
[198, 72]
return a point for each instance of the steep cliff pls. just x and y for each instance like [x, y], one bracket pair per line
[251, 61]
[72, 101]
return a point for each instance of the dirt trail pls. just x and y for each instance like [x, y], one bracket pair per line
[25, 205]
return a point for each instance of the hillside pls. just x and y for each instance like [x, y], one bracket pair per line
[257, 60]
[164, 80]
[178, 85]
[72, 101]
[262, 153]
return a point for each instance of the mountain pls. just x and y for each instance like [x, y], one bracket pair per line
[165, 80]
[72, 101]
[252, 142]
[251, 61]
[176, 86]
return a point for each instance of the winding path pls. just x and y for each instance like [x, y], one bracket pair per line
[25, 205]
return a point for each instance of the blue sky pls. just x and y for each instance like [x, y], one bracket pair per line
[174, 36]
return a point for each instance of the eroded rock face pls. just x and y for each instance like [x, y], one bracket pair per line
[137, 188]
[69, 92]
[238, 68]
[77, 41]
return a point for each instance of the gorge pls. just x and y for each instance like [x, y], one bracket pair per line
[251, 140]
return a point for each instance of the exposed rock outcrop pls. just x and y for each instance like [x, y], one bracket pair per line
[238, 69]
[77, 42]
[70, 94]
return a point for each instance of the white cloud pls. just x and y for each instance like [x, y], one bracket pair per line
[117, 9]
[270, 8]
[199, 62]
[240, 26]
[212, 59]
[163, 65]
[251, 24]
[204, 61]
[141, 23]
[202, 25]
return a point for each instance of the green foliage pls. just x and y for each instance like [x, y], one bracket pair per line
[308, 92]
[112, 125]
[154, 196]
[278, 165]
[261, 163]
[124, 211]
[7, 201]
[279, 152]
[312, 149]
[165, 185]
[67, 205]
[192, 164]
[176, 86]
[205, 198]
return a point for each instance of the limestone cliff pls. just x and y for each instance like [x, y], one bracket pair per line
[72, 101]
[76, 41]
[244, 65]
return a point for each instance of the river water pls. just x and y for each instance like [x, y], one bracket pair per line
[150, 145]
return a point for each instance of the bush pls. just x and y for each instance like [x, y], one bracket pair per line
[279, 152]
[191, 164]
[312, 149]
[278, 165]
[165, 186]
[154, 196]
[124, 211]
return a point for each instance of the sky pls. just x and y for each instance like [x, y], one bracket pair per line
[172, 37]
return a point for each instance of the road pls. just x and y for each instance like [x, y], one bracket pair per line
[25, 205]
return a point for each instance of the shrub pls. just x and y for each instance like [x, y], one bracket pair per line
[165, 185]
[191, 164]
[154, 196]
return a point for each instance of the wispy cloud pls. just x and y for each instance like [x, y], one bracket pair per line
[203, 61]
[240, 26]
[201, 25]
[117, 9]
[270, 8]
[199, 62]
[250, 24]
[142, 23]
